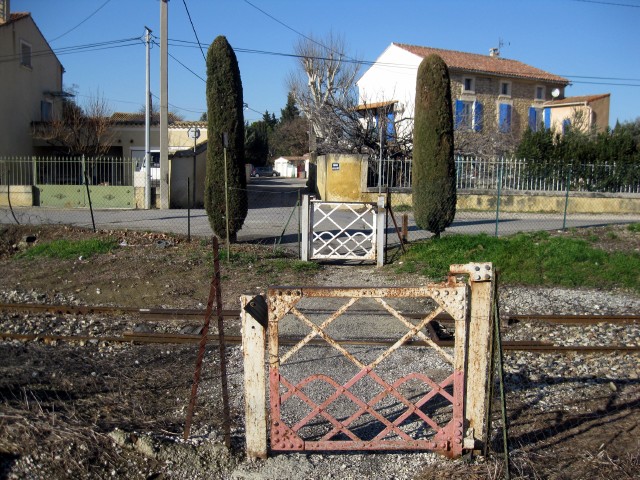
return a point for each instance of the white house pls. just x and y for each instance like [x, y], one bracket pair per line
[490, 94]
[30, 80]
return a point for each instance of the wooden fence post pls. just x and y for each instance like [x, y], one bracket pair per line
[304, 226]
[255, 386]
[479, 348]
[380, 227]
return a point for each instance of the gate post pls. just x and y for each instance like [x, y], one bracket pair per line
[381, 215]
[479, 348]
[255, 385]
[304, 226]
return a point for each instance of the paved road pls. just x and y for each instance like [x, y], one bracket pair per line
[273, 218]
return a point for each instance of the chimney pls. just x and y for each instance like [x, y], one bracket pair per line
[4, 11]
[494, 52]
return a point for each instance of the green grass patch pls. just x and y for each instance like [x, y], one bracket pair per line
[634, 227]
[403, 208]
[70, 249]
[528, 259]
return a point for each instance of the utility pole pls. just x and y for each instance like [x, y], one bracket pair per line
[164, 107]
[147, 125]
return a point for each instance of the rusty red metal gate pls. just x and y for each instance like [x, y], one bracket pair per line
[356, 400]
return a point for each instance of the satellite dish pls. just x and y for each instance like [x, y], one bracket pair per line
[555, 93]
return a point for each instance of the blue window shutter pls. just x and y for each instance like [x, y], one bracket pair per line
[390, 126]
[459, 113]
[547, 118]
[533, 119]
[477, 117]
[566, 123]
[504, 123]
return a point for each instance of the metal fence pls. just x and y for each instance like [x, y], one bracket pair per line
[474, 172]
[67, 170]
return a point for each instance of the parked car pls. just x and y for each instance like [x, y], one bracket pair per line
[264, 172]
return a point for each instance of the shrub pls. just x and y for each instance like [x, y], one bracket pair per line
[434, 187]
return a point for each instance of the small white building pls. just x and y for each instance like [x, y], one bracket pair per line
[292, 167]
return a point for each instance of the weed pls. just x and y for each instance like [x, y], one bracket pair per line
[403, 208]
[528, 259]
[70, 249]
[634, 227]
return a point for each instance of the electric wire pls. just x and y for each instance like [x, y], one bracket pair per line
[611, 4]
[89, 47]
[296, 31]
[194, 30]
[186, 43]
[72, 29]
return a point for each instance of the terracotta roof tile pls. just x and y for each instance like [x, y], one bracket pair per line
[16, 16]
[474, 62]
[371, 106]
[580, 99]
[137, 118]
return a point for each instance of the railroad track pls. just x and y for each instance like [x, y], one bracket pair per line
[134, 337]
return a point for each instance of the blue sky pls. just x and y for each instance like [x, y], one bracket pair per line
[593, 43]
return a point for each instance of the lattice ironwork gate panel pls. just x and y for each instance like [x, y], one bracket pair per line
[330, 392]
[343, 231]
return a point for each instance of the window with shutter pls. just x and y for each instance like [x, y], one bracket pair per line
[504, 121]
[464, 115]
[533, 119]
[477, 116]
[547, 118]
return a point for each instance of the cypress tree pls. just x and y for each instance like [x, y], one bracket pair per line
[225, 115]
[434, 171]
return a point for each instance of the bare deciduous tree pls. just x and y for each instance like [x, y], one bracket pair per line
[80, 130]
[324, 89]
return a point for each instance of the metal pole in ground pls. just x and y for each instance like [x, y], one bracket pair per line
[86, 184]
[498, 199]
[503, 400]
[188, 210]
[214, 293]
[566, 200]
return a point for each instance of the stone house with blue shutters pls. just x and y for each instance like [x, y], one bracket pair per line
[494, 99]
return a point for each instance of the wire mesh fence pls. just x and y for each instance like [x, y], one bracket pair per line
[500, 213]
[273, 217]
[108, 193]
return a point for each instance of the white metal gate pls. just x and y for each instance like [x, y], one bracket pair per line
[343, 230]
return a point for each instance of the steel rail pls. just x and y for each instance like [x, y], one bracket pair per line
[178, 313]
[162, 338]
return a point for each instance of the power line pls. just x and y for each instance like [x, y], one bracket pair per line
[612, 4]
[296, 31]
[609, 84]
[604, 78]
[187, 43]
[125, 42]
[72, 29]
[179, 108]
[194, 30]
[183, 65]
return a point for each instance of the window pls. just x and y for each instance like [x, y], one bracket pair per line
[468, 85]
[468, 115]
[464, 115]
[25, 54]
[505, 89]
[539, 93]
[504, 119]
[535, 119]
[46, 109]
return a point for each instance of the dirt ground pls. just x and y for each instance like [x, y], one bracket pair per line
[84, 411]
